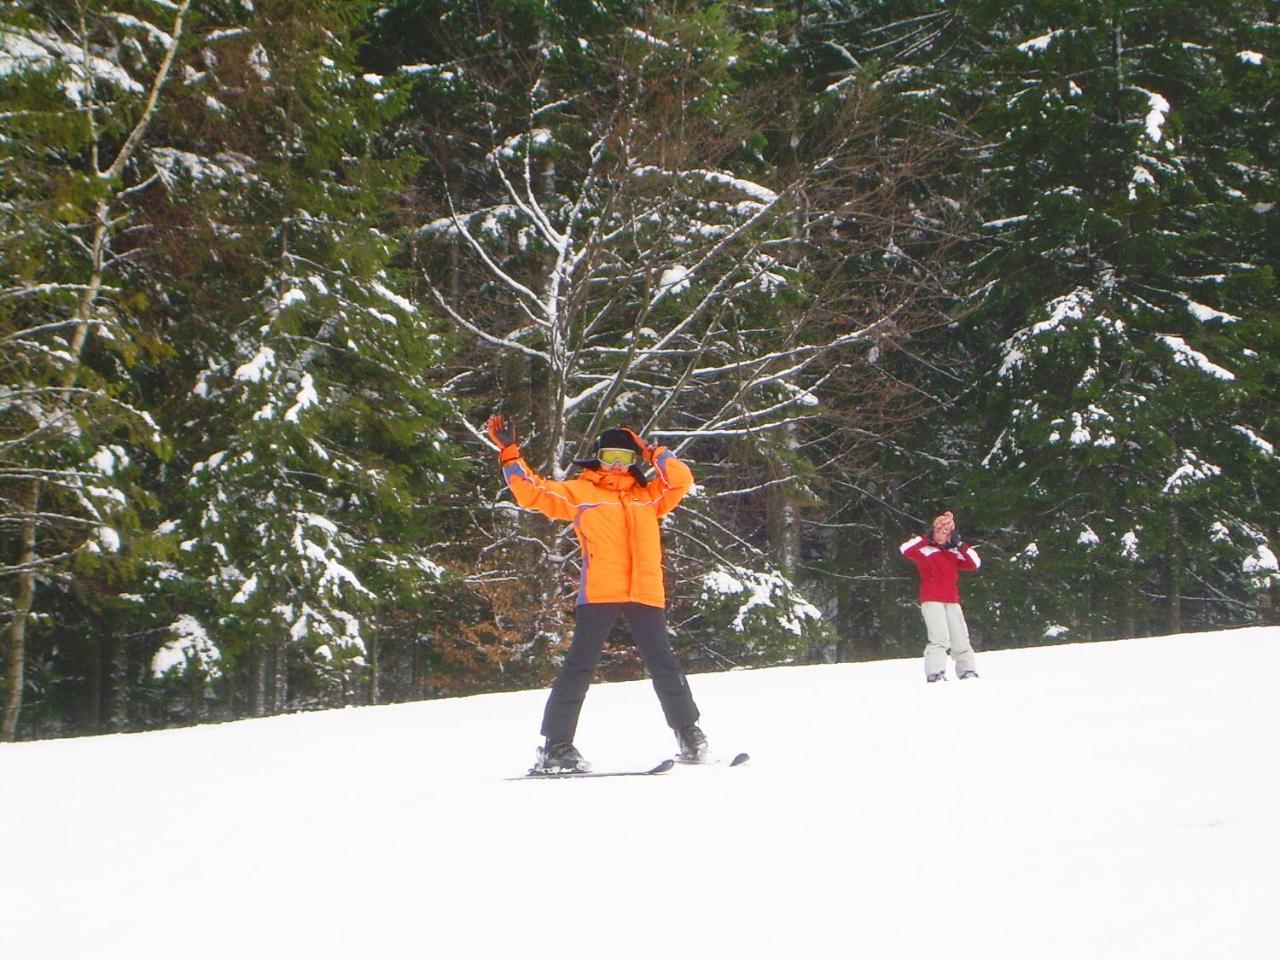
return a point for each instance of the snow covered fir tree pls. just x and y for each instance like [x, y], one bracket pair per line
[267, 267]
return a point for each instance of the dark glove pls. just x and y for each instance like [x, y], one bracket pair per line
[646, 451]
[954, 542]
[500, 432]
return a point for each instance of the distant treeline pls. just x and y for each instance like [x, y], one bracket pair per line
[265, 269]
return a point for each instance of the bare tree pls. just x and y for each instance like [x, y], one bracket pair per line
[612, 252]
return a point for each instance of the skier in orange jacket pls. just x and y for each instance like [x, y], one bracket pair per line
[614, 510]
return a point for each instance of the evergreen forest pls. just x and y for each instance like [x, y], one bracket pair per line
[267, 267]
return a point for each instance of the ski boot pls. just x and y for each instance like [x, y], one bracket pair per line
[968, 675]
[561, 757]
[693, 744]
[936, 677]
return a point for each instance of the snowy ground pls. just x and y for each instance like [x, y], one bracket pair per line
[1109, 800]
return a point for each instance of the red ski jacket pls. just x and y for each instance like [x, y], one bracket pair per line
[939, 568]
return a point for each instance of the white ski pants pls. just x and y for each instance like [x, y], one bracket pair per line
[948, 634]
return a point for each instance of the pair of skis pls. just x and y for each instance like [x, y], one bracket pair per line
[664, 767]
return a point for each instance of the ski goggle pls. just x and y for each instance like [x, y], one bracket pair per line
[615, 456]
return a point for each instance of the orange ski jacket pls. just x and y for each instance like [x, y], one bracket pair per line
[615, 518]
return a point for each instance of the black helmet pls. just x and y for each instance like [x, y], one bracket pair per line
[616, 439]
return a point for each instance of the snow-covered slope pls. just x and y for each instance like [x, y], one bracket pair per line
[1109, 800]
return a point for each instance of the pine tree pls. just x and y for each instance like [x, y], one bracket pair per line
[1116, 309]
[627, 227]
[1096, 407]
[177, 242]
[306, 515]
[82, 84]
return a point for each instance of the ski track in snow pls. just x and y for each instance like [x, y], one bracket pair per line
[1112, 800]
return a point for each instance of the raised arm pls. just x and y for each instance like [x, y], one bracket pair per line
[674, 477]
[968, 557]
[914, 549]
[949, 537]
[549, 497]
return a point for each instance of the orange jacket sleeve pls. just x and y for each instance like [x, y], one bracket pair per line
[551, 498]
[672, 483]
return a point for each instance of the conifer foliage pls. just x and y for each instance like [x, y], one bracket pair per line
[1120, 300]
[214, 385]
[266, 267]
[1098, 417]
[630, 231]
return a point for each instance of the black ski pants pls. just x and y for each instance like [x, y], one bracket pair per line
[592, 623]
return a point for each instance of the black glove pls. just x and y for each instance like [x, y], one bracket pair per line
[646, 450]
[954, 542]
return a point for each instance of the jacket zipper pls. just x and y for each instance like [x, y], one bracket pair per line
[631, 544]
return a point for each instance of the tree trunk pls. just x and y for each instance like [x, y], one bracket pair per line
[279, 677]
[784, 534]
[1271, 613]
[845, 624]
[1175, 575]
[232, 691]
[415, 680]
[114, 716]
[891, 567]
[98, 671]
[195, 694]
[258, 684]
[16, 673]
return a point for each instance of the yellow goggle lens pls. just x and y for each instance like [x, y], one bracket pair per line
[614, 455]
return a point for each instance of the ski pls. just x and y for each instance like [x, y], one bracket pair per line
[735, 761]
[663, 767]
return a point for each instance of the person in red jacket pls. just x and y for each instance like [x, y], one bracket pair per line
[940, 556]
[614, 509]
